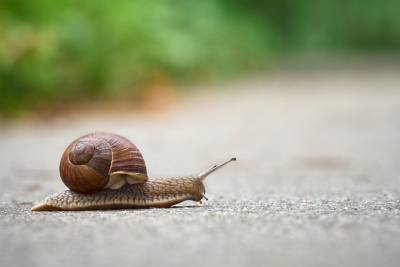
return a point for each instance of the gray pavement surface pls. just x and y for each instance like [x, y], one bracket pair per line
[317, 182]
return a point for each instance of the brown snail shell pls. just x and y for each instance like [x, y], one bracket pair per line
[101, 160]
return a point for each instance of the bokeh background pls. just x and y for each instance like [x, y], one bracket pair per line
[54, 55]
[306, 94]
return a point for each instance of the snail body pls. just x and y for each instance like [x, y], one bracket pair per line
[106, 171]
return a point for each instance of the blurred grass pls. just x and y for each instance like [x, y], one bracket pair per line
[55, 52]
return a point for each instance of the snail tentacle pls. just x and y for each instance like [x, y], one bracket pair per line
[204, 174]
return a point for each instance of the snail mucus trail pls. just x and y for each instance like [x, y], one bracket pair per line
[106, 171]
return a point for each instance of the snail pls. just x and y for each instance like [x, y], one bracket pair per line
[106, 171]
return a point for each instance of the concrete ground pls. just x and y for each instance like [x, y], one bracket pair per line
[317, 181]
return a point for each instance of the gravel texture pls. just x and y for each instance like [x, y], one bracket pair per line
[317, 180]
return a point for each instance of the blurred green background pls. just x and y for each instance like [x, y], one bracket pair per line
[54, 53]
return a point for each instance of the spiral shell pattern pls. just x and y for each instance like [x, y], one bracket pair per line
[101, 160]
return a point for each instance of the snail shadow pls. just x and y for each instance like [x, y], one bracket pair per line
[188, 207]
[139, 209]
[28, 205]
[166, 209]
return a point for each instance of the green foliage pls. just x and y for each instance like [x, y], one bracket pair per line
[53, 52]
